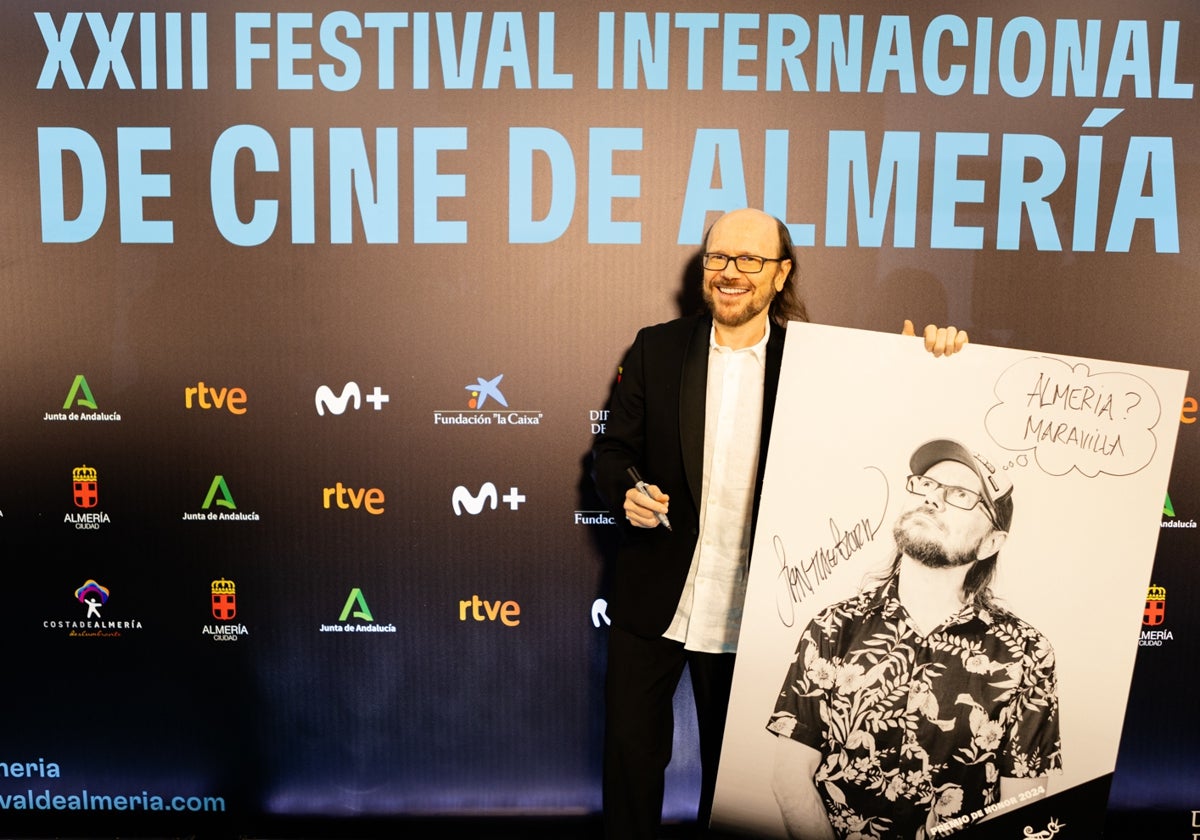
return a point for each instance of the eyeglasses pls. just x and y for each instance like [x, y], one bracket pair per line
[959, 497]
[746, 263]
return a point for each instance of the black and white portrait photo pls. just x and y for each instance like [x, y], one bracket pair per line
[936, 562]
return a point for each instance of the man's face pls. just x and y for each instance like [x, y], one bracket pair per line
[733, 297]
[940, 535]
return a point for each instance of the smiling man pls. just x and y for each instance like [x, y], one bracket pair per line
[691, 413]
[920, 702]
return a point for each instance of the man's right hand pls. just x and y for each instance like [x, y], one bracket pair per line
[641, 510]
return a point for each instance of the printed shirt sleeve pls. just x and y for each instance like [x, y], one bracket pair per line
[1034, 747]
[797, 712]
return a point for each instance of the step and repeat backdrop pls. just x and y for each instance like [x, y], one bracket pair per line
[309, 314]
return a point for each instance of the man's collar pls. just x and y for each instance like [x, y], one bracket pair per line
[759, 349]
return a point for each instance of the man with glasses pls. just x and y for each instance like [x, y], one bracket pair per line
[920, 702]
[691, 413]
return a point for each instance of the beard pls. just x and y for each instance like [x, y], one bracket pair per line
[755, 302]
[928, 551]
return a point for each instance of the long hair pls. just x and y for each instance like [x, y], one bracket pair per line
[976, 587]
[788, 305]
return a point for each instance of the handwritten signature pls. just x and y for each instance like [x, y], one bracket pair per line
[802, 580]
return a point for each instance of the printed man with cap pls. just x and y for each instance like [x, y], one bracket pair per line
[920, 702]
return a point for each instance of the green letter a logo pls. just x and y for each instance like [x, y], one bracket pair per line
[87, 400]
[363, 611]
[226, 500]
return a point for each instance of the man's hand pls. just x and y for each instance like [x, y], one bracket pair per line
[940, 341]
[642, 511]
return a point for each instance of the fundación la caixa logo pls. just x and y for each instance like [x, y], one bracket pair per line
[486, 406]
[85, 494]
[219, 495]
[349, 397]
[81, 404]
[223, 603]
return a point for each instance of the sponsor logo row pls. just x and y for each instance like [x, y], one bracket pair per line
[85, 494]
[353, 615]
[218, 503]
[485, 400]
[484, 404]
[356, 615]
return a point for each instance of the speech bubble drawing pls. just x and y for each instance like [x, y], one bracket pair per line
[1074, 419]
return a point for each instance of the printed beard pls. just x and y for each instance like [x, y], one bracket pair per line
[930, 553]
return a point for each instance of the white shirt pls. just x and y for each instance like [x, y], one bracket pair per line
[709, 615]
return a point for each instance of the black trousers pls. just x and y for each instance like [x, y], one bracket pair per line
[640, 684]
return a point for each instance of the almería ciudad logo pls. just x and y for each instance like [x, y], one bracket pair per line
[85, 494]
[223, 602]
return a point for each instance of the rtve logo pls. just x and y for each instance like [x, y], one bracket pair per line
[509, 612]
[327, 400]
[206, 397]
[370, 499]
[473, 503]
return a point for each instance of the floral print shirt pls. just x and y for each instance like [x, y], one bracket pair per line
[915, 730]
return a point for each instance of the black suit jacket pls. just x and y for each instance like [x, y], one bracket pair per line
[656, 423]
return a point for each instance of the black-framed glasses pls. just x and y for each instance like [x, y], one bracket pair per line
[745, 263]
[959, 497]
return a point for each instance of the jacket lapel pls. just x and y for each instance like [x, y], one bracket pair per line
[693, 392]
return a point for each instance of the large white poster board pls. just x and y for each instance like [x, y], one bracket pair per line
[1087, 445]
